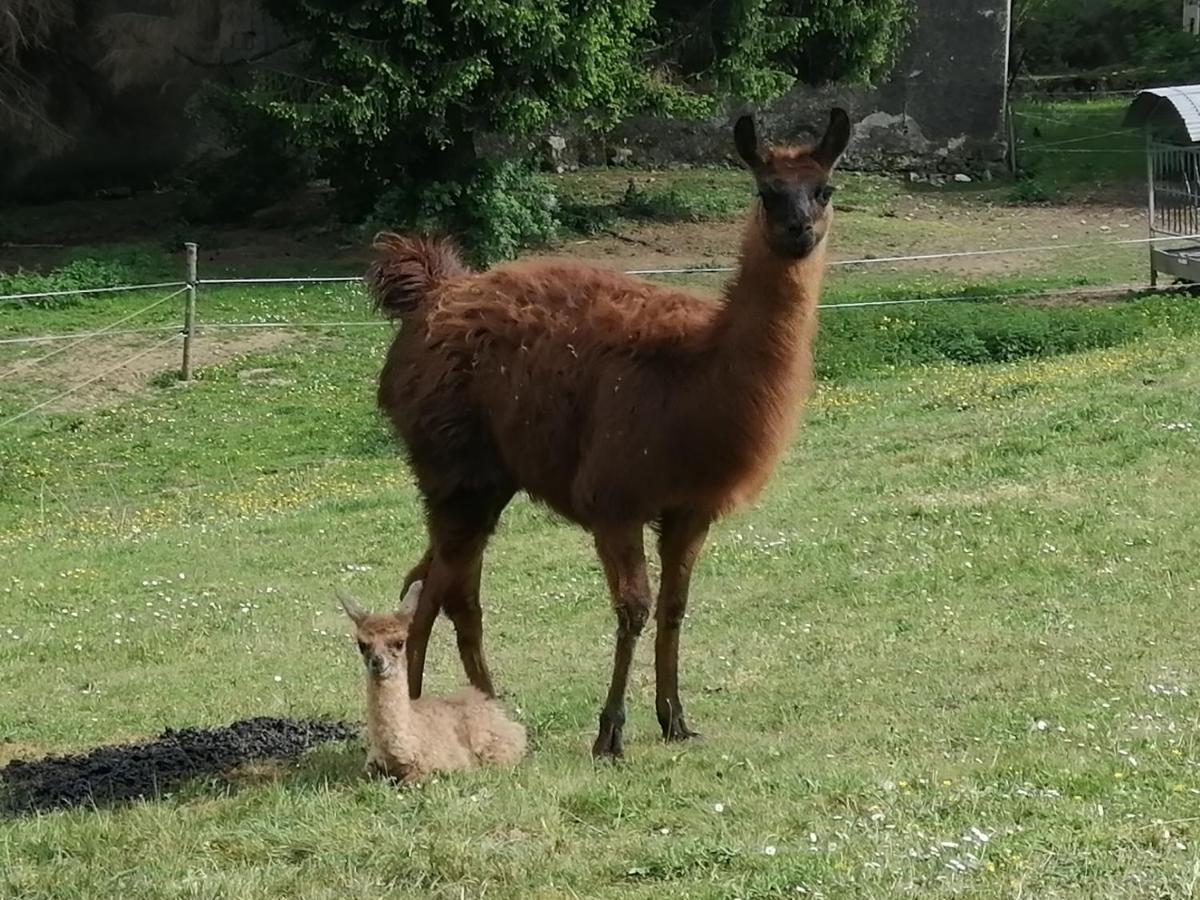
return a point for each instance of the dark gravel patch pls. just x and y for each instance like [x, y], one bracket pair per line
[121, 772]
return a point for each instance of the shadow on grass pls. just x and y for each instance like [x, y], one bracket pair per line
[118, 773]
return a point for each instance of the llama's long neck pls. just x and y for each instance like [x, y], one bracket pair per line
[389, 718]
[749, 391]
[766, 328]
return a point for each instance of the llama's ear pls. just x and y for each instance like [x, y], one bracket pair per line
[837, 137]
[745, 138]
[353, 610]
[412, 597]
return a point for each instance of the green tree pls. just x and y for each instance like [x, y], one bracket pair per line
[1059, 36]
[754, 48]
[391, 97]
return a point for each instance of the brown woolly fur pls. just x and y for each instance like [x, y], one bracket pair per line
[616, 402]
[407, 268]
[408, 739]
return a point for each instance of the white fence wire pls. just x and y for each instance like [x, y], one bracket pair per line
[75, 388]
[112, 329]
[111, 289]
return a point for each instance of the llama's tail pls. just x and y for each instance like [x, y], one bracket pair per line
[407, 268]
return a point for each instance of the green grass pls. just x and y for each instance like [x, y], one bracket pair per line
[962, 607]
[594, 200]
[1072, 148]
[948, 556]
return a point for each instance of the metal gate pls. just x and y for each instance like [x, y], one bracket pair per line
[1174, 211]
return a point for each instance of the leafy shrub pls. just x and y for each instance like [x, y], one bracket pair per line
[1032, 190]
[499, 209]
[685, 203]
[90, 269]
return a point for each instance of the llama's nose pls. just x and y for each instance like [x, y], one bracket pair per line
[800, 229]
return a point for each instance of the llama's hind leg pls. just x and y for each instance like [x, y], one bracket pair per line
[419, 572]
[459, 532]
[421, 625]
[680, 539]
[624, 562]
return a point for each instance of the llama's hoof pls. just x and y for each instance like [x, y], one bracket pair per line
[670, 719]
[677, 730]
[608, 743]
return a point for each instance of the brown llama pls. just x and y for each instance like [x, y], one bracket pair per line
[616, 402]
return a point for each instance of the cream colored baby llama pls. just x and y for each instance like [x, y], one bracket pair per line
[408, 739]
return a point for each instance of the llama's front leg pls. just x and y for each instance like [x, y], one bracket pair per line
[679, 543]
[624, 562]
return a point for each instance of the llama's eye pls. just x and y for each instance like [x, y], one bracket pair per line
[396, 645]
[825, 194]
[772, 198]
[362, 648]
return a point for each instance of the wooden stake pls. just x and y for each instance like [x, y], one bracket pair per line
[189, 312]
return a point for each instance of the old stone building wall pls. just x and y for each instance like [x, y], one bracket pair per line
[942, 110]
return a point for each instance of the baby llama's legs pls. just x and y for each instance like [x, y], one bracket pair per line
[679, 543]
[624, 562]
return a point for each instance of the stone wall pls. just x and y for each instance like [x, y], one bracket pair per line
[942, 111]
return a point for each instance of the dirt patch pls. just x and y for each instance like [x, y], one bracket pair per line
[912, 226]
[295, 236]
[122, 772]
[97, 357]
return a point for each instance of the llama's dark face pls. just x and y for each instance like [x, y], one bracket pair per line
[793, 185]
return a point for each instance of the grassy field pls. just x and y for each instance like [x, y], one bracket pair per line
[960, 612]
[950, 653]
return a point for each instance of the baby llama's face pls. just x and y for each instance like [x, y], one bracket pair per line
[381, 642]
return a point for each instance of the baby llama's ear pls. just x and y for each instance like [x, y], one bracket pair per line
[412, 597]
[353, 610]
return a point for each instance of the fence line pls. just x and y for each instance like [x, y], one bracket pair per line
[190, 329]
[1034, 148]
[864, 304]
[82, 384]
[297, 279]
[924, 257]
[1018, 295]
[1080, 140]
[375, 323]
[689, 270]
[116, 288]
[220, 326]
[66, 336]
[81, 337]
[1051, 94]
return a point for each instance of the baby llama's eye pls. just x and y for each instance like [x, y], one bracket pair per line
[825, 194]
[396, 644]
[362, 647]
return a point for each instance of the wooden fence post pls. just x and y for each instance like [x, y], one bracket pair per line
[1014, 167]
[189, 312]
